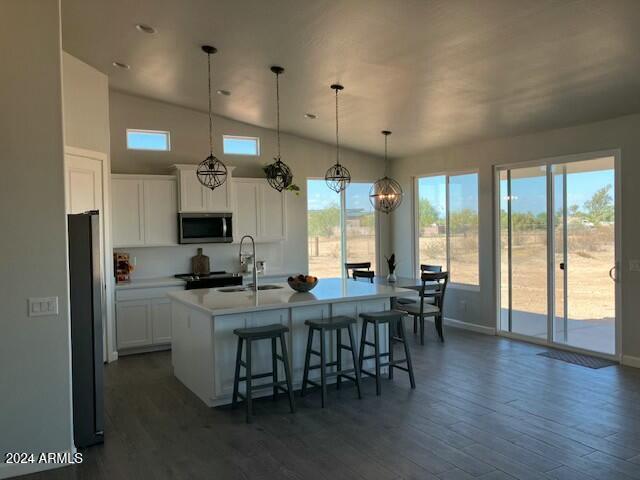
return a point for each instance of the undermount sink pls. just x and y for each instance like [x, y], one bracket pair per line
[248, 288]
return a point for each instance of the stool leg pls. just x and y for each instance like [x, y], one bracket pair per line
[407, 356]
[363, 338]
[338, 357]
[415, 324]
[248, 382]
[287, 372]
[323, 367]
[376, 341]
[307, 358]
[392, 328]
[356, 370]
[274, 366]
[236, 377]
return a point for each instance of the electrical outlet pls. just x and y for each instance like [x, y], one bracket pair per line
[39, 307]
[634, 265]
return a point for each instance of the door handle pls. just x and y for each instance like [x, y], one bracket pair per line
[562, 266]
[611, 274]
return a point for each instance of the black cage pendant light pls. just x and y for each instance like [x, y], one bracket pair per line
[211, 172]
[338, 176]
[278, 173]
[386, 193]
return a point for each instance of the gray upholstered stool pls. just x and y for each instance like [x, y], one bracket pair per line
[336, 324]
[394, 319]
[250, 335]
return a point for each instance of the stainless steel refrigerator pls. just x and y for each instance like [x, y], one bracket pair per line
[86, 290]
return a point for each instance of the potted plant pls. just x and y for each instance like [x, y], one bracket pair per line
[391, 265]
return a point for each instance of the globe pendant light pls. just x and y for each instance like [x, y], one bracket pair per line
[338, 176]
[278, 173]
[386, 193]
[211, 172]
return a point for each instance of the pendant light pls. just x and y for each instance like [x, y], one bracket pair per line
[386, 193]
[338, 176]
[211, 172]
[278, 173]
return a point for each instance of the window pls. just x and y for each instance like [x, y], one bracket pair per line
[341, 228]
[148, 140]
[233, 145]
[448, 225]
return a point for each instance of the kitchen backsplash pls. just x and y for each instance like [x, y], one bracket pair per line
[153, 262]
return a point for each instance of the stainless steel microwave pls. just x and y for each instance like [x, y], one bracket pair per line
[205, 228]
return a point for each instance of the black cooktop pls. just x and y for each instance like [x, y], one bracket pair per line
[191, 277]
[210, 280]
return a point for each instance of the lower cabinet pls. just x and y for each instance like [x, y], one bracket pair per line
[143, 322]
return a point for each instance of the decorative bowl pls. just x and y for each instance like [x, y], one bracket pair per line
[302, 283]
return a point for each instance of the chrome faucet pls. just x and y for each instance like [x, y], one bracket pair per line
[255, 268]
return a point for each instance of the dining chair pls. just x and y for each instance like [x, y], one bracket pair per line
[405, 301]
[368, 274]
[356, 266]
[434, 286]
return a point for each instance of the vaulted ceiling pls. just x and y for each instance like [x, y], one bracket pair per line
[435, 72]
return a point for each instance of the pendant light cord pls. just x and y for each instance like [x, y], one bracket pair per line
[386, 161]
[210, 118]
[337, 139]
[278, 111]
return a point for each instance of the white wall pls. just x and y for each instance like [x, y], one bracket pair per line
[35, 384]
[617, 133]
[86, 105]
[189, 144]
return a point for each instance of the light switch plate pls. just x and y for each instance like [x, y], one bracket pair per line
[634, 265]
[39, 307]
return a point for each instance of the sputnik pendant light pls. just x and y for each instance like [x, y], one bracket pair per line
[278, 173]
[338, 176]
[386, 193]
[211, 172]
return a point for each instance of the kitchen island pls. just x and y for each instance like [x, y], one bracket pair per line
[204, 346]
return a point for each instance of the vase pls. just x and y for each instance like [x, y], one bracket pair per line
[391, 278]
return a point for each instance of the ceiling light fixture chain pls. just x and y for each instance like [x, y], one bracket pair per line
[338, 176]
[278, 173]
[211, 172]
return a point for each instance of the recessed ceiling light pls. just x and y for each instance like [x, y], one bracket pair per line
[144, 28]
[124, 66]
[310, 116]
[225, 93]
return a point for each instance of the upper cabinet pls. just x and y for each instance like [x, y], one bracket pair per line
[194, 197]
[144, 210]
[260, 211]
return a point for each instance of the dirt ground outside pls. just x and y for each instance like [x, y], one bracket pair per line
[324, 254]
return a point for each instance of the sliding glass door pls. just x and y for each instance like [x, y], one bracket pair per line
[558, 253]
[340, 227]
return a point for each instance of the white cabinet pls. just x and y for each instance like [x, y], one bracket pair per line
[144, 210]
[143, 319]
[127, 196]
[260, 211]
[133, 324]
[194, 197]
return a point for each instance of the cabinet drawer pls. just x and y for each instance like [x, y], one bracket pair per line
[145, 293]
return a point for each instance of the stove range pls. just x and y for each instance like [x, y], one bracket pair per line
[210, 280]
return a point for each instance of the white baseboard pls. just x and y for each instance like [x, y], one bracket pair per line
[630, 361]
[9, 470]
[452, 322]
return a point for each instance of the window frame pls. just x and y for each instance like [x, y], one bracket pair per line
[141, 130]
[242, 137]
[343, 226]
[416, 223]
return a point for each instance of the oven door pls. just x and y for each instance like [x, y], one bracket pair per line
[205, 228]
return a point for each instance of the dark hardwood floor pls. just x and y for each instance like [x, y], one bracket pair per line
[485, 407]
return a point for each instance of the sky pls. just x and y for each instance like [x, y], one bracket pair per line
[320, 196]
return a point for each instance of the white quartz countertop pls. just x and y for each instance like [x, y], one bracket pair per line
[151, 283]
[329, 290]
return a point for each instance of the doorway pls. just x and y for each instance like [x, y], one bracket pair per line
[557, 249]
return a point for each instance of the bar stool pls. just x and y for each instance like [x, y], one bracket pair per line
[250, 335]
[336, 324]
[394, 319]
